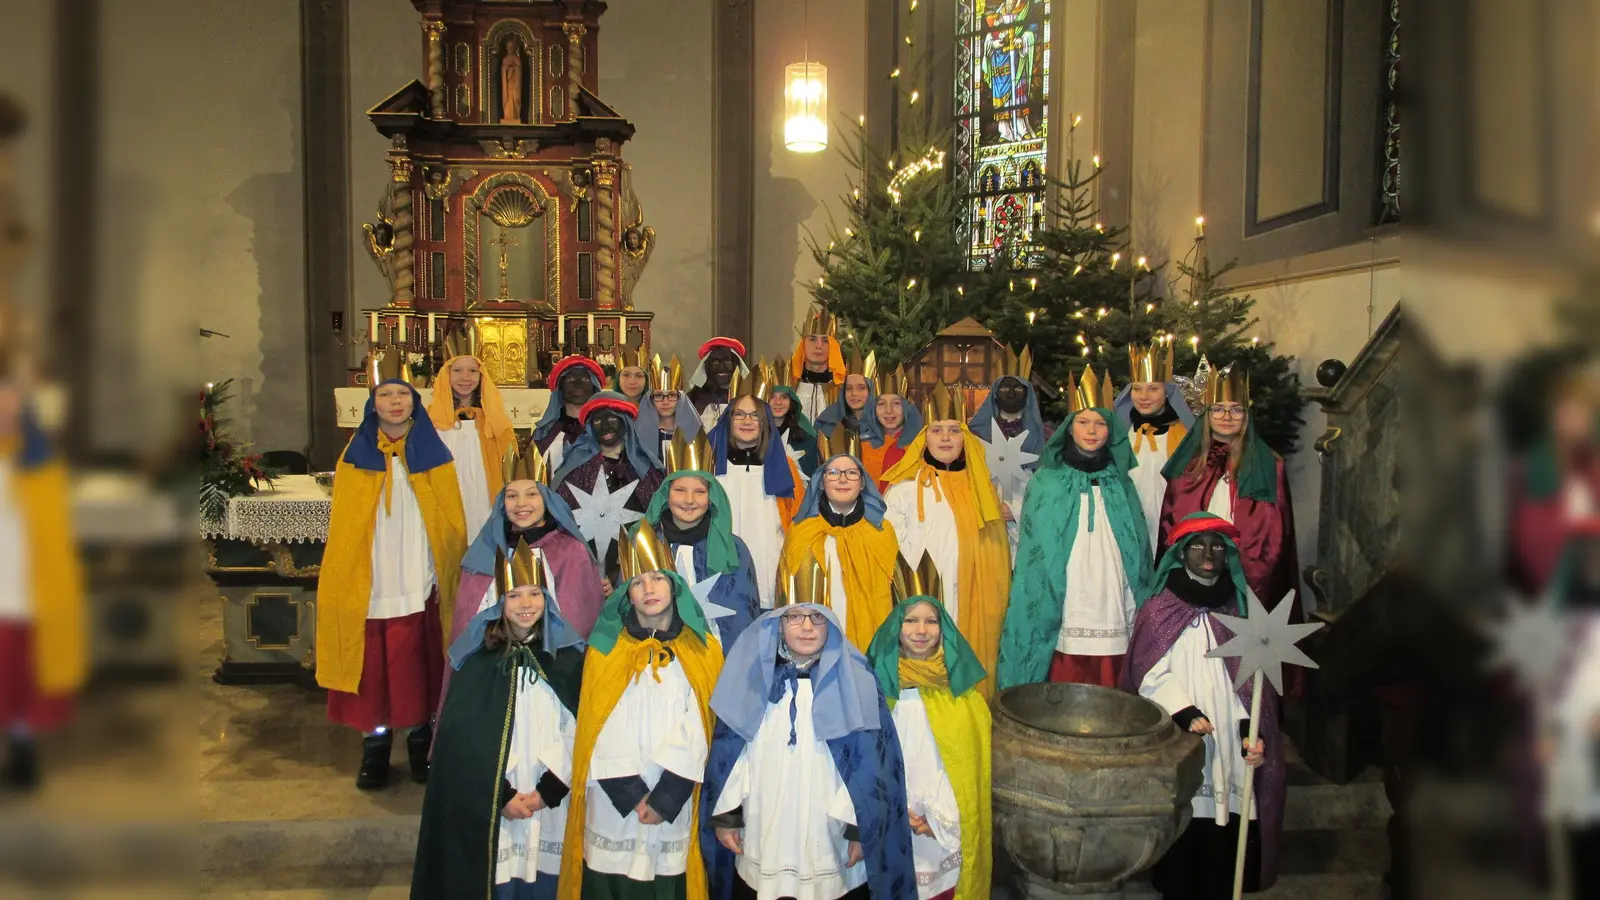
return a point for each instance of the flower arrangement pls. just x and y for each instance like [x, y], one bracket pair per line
[225, 470]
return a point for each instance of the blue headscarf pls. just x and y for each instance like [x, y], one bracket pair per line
[983, 420]
[871, 500]
[553, 411]
[1123, 405]
[424, 448]
[492, 536]
[588, 447]
[777, 480]
[647, 426]
[845, 690]
[557, 633]
[911, 424]
[866, 420]
[36, 448]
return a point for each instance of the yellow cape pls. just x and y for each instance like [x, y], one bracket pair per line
[344, 587]
[55, 574]
[495, 432]
[867, 556]
[605, 677]
[960, 727]
[797, 361]
[984, 582]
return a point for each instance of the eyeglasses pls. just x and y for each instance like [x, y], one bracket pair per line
[1228, 412]
[742, 416]
[842, 474]
[793, 620]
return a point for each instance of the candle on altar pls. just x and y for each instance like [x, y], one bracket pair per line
[431, 317]
[561, 330]
[372, 320]
[591, 329]
[402, 330]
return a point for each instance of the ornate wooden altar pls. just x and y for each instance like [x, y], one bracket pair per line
[510, 210]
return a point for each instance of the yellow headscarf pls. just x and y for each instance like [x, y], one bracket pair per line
[495, 432]
[797, 361]
[984, 582]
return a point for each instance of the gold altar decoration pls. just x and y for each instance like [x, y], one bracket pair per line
[503, 349]
[478, 206]
[435, 74]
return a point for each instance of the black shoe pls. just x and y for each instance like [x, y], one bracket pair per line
[418, 744]
[22, 766]
[374, 772]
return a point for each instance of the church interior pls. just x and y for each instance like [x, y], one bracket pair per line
[338, 193]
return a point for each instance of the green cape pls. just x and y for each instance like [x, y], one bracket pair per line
[960, 662]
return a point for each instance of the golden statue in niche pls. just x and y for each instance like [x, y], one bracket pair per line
[511, 83]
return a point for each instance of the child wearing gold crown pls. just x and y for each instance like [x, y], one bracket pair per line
[816, 368]
[472, 421]
[666, 411]
[1082, 553]
[1157, 418]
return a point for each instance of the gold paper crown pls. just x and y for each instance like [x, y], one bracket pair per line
[692, 455]
[1151, 364]
[781, 376]
[388, 364]
[525, 464]
[757, 384]
[668, 378]
[894, 382]
[1228, 386]
[821, 322]
[461, 343]
[523, 568]
[1015, 366]
[843, 440]
[944, 404]
[808, 584]
[866, 368]
[633, 358]
[1090, 391]
[643, 551]
[923, 581]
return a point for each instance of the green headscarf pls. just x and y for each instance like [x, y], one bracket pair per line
[1122, 455]
[1173, 559]
[609, 625]
[1258, 470]
[799, 413]
[960, 662]
[721, 554]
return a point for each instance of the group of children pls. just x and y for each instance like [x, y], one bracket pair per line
[737, 635]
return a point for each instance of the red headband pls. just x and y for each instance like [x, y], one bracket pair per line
[725, 343]
[1203, 524]
[563, 365]
[621, 407]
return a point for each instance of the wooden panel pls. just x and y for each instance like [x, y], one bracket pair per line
[733, 168]
[1294, 106]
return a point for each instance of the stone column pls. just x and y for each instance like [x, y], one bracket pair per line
[405, 277]
[605, 260]
[435, 74]
[574, 32]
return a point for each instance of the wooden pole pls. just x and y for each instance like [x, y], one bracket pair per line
[1249, 784]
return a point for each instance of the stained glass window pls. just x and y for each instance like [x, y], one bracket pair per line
[1002, 97]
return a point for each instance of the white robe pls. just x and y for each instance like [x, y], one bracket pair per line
[542, 735]
[1221, 503]
[837, 600]
[710, 416]
[1098, 610]
[655, 727]
[1572, 791]
[1147, 477]
[16, 601]
[1184, 677]
[476, 504]
[928, 794]
[402, 561]
[757, 522]
[795, 809]
[936, 535]
[813, 399]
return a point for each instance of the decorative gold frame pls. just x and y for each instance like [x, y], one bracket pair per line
[532, 46]
[503, 349]
[470, 233]
[249, 621]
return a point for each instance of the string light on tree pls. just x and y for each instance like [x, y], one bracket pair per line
[930, 163]
[1199, 226]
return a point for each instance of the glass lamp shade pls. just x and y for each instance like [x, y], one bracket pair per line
[805, 123]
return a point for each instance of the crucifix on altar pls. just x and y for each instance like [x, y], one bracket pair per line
[504, 242]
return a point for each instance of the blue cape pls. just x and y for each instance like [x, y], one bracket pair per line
[647, 427]
[424, 448]
[983, 420]
[735, 590]
[557, 633]
[492, 536]
[777, 480]
[866, 754]
[553, 410]
[1123, 406]
[871, 499]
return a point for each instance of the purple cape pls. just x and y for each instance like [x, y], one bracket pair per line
[1160, 621]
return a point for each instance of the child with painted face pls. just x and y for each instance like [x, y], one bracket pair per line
[573, 380]
[1167, 663]
[607, 473]
[721, 358]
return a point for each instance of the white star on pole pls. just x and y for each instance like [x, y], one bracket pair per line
[1265, 641]
[1527, 641]
[702, 595]
[1006, 460]
[793, 453]
[602, 513]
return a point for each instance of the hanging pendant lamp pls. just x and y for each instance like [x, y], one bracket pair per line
[805, 93]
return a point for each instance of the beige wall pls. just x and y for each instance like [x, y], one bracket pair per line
[655, 69]
[794, 192]
[25, 73]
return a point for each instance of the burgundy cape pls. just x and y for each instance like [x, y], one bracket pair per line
[577, 585]
[1266, 531]
[1160, 621]
[1538, 527]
